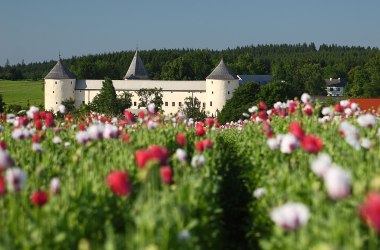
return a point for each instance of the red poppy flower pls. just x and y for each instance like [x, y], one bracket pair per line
[209, 122]
[129, 116]
[38, 124]
[181, 139]
[263, 106]
[39, 198]
[118, 182]
[339, 108]
[207, 143]
[370, 211]
[125, 138]
[312, 144]
[141, 114]
[199, 146]
[3, 189]
[154, 152]
[263, 115]
[166, 173]
[3, 145]
[296, 129]
[141, 157]
[200, 131]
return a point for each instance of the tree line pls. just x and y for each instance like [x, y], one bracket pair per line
[302, 65]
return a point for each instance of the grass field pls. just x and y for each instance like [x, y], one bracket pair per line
[22, 92]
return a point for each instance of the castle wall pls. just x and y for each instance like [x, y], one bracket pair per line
[174, 92]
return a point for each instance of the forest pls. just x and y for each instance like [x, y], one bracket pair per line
[304, 66]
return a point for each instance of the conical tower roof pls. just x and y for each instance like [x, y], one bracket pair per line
[222, 72]
[137, 70]
[60, 71]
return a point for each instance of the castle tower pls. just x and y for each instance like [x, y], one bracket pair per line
[220, 85]
[59, 86]
[136, 70]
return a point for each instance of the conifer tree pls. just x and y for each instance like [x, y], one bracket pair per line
[106, 101]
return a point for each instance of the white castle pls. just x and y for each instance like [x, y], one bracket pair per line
[61, 85]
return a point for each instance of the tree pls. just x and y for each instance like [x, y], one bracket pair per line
[276, 91]
[2, 104]
[372, 88]
[243, 98]
[357, 78]
[192, 109]
[147, 96]
[124, 100]
[69, 105]
[313, 81]
[106, 101]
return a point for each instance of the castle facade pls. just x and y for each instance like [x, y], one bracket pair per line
[213, 92]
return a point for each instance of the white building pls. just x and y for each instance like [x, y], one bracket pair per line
[61, 84]
[335, 87]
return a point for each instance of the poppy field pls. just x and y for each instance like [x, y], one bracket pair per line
[293, 176]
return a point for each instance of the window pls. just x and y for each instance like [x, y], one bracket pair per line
[180, 104]
[173, 104]
[71, 82]
[83, 102]
[171, 91]
[166, 104]
[212, 82]
[56, 102]
[73, 92]
[228, 92]
[204, 105]
[171, 113]
[228, 82]
[134, 103]
[210, 104]
[212, 92]
[55, 82]
[80, 91]
[53, 92]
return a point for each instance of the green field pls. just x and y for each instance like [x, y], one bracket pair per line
[22, 92]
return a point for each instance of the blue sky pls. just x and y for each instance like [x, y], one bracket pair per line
[36, 30]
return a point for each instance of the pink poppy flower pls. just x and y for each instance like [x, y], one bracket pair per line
[290, 216]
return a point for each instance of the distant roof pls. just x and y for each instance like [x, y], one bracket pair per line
[60, 71]
[133, 85]
[222, 72]
[261, 79]
[340, 82]
[367, 103]
[137, 69]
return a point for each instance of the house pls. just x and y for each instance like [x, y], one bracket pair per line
[335, 87]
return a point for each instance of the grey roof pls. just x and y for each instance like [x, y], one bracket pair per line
[59, 71]
[133, 85]
[136, 70]
[260, 79]
[333, 82]
[222, 72]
